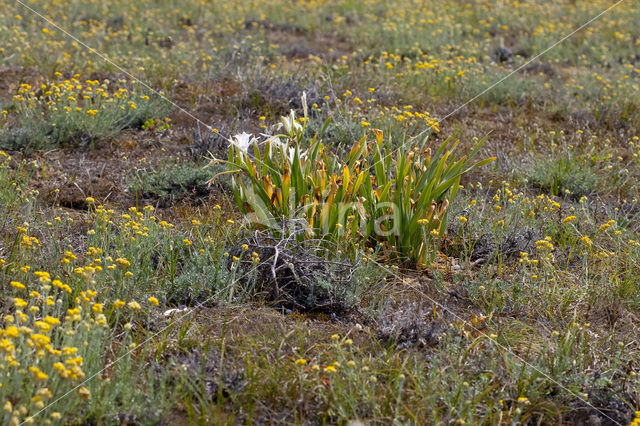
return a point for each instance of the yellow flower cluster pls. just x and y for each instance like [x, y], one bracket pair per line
[72, 96]
[49, 342]
[372, 113]
[40, 337]
[55, 320]
[545, 245]
[56, 112]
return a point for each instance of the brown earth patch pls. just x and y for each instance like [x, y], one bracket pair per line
[66, 177]
[12, 77]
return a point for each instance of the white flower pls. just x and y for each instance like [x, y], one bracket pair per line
[273, 141]
[291, 126]
[292, 154]
[243, 141]
[276, 144]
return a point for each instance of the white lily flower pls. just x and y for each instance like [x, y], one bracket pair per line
[292, 153]
[291, 126]
[243, 141]
[274, 141]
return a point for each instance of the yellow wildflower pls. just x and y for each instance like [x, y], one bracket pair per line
[12, 331]
[18, 285]
[19, 303]
[84, 393]
[134, 305]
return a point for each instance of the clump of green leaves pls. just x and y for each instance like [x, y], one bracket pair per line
[174, 181]
[564, 175]
[394, 197]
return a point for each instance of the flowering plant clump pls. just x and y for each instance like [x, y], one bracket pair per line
[75, 112]
[398, 198]
[57, 323]
[49, 341]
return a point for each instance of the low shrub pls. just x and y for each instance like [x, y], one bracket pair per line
[172, 182]
[74, 113]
